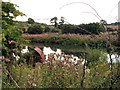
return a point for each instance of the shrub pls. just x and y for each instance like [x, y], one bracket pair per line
[47, 29]
[55, 30]
[95, 56]
[35, 29]
[91, 28]
[110, 29]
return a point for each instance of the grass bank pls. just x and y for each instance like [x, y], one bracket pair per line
[95, 41]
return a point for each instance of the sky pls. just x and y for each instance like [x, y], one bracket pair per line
[74, 11]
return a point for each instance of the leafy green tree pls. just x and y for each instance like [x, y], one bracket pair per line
[47, 29]
[62, 20]
[54, 20]
[10, 33]
[35, 29]
[11, 36]
[31, 21]
[68, 28]
[93, 28]
[9, 12]
[103, 22]
[110, 29]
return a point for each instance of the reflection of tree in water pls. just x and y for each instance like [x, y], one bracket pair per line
[68, 50]
[78, 54]
[65, 49]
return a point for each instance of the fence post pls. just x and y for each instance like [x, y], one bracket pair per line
[84, 66]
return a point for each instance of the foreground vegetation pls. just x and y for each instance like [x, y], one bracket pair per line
[62, 73]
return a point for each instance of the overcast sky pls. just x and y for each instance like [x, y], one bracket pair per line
[73, 11]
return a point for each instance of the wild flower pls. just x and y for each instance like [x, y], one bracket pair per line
[87, 70]
[34, 84]
[28, 82]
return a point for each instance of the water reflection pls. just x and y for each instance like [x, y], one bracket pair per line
[47, 51]
[23, 51]
[115, 58]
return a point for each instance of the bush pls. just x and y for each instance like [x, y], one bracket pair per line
[35, 29]
[91, 28]
[68, 28]
[54, 30]
[110, 29]
[47, 29]
[95, 56]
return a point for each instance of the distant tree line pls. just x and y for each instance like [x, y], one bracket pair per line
[116, 23]
[93, 28]
[60, 27]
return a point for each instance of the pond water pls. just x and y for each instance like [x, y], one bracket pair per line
[115, 58]
[48, 50]
[74, 51]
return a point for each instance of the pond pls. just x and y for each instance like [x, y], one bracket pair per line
[76, 52]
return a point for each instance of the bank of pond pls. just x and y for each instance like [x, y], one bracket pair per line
[74, 40]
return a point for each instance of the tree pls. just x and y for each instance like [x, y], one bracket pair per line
[10, 33]
[69, 28]
[11, 37]
[47, 29]
[31, 21]
[103, 22]
[9, 12]
[62, 21]
[93, 28]
[54, 20]
[35, 29]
